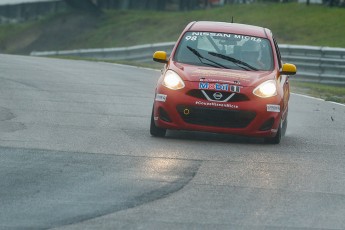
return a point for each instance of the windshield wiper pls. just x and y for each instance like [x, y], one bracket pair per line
[196, 53]
[234, 60]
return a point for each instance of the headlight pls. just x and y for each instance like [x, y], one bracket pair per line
[266, 89]
[172, 80]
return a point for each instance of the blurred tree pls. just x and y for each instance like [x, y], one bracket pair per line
[161, 4]
[84, 5]
[188, 4]
[132, 4]
[156, 4]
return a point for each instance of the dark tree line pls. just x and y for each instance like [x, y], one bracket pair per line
[84, 5]
[96, 5]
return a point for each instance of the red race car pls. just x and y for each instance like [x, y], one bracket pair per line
[223, 78]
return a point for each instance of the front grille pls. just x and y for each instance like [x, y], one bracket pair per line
[216, 117]
[198, 94]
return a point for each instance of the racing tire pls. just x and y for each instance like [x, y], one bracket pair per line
[277, 138]
[154, 130]
[284, 127]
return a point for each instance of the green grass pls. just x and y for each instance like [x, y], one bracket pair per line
[326, 92]
[292, 23]
[13, 31]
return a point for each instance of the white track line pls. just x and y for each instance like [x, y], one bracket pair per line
[319, 99]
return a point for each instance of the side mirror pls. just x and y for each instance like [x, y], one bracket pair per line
[288, 69]
[160, 56]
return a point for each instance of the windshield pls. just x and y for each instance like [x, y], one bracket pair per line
[221, 50]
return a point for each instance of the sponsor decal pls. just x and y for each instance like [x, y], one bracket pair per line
[206, 75]
[217, 95]
[202, 79]
[161, 97]
[273, 108]
[237, 82]
[223, 35]
[219, 87]
[216, 104]
[191, 38]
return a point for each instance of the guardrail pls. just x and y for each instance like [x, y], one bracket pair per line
[141, 53]
[323, 65]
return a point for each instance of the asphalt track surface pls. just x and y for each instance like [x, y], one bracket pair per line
[76, 153]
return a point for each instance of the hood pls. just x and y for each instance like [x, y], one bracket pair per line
[194, 73]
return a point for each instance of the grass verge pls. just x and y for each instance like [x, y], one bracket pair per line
[292, 23]
[326, 92]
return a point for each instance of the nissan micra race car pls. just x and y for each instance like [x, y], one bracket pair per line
[223, 78]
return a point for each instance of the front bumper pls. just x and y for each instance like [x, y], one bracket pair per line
[179, 110]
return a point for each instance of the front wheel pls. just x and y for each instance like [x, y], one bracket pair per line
[154, 130]
[284, 126]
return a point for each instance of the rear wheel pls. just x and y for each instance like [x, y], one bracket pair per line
[277, 138]
[154, 130]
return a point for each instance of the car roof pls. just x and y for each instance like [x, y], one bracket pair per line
[225, 27]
